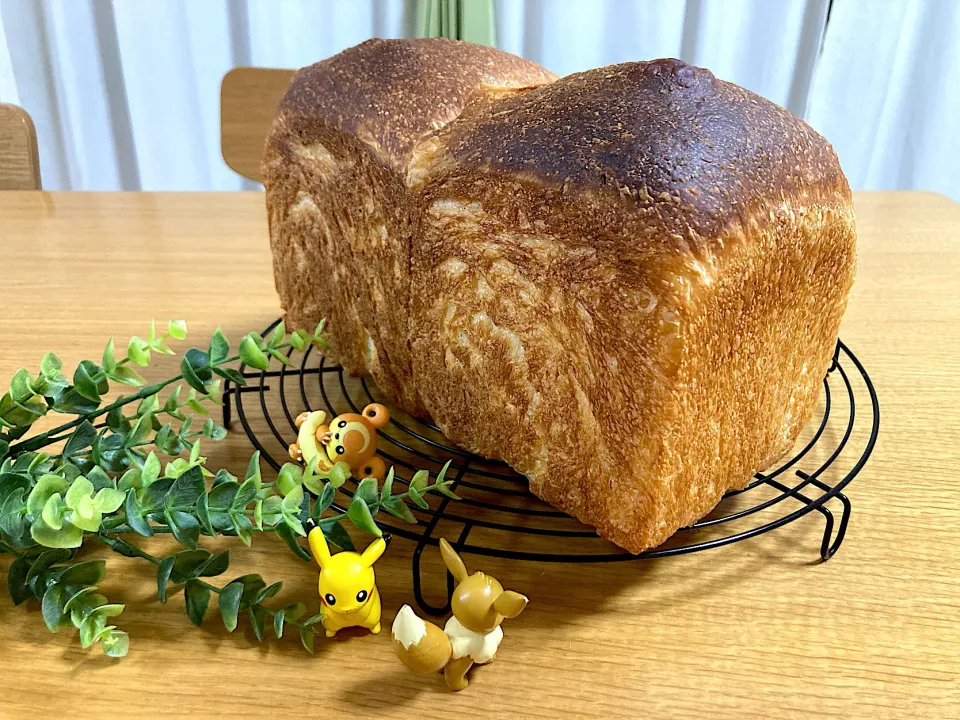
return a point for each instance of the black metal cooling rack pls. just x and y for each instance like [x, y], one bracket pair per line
[497, 515]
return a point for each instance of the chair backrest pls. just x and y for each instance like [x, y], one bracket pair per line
[19, 155]
[248, 102]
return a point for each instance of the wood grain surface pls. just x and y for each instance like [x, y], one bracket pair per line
[758, 629]
[19, 156]
[248, 103]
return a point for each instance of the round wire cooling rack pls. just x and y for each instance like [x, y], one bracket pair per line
[497, 515]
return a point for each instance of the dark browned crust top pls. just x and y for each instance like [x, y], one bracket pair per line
[666, 135]
[392, 93]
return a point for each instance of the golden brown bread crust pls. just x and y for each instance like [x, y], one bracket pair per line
[337, 205]
[626, 283]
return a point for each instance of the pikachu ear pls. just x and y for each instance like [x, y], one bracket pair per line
[374, 550]
[510, 603]
[453, 561]
[318, 546]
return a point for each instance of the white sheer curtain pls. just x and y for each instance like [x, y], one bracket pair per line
[125, 93]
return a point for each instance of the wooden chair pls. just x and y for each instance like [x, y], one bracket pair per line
[19, 155]
[248, 102]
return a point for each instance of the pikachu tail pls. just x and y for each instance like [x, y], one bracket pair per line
[421, 646]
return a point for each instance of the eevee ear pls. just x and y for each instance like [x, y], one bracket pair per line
[318, 546]
[453, 561]
[510, 603]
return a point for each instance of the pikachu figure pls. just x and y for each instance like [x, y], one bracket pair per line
[347, 585]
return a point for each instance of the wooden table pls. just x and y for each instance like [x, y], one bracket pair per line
[753, 630]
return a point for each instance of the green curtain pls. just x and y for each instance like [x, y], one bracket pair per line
[470, 20]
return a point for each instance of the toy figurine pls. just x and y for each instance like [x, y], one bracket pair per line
[471, 636]
[349, 438]
[347, 584]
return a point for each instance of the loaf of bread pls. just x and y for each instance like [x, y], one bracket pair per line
[626, 283]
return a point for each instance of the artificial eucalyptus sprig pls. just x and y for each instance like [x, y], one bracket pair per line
[105, 480]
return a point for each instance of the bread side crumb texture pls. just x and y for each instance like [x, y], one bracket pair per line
[626, 283]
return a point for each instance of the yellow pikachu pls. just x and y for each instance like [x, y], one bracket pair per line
[347, 584]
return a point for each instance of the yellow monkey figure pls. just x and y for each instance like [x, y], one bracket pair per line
[347, 584]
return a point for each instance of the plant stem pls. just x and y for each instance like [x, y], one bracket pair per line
[8, 549]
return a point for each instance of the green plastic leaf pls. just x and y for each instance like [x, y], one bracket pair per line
[216, 565]
[68, 536]
[46, 486]
[230, 604]
[286, 533]
[335, 533]
[253, 470]
[398, 508]
[278, 618]
[219, 347]
[77, 598]
[177, 329]
[198, 600]
[109, 357]
[139, 432]
[138, 350]
[187, 564]
[252, 355]
[91, 572]
[339, 474]
[242, 526]
[222, 495]
[417, 498]
[52, 606]
[245, 495]
[90, 630]
[108, 500]
[134, 514]
[116, 643]
[20, 386]
[84, 384]
[12, 520]
[367, 491]
[81, 439]
[80, 488]
[185, 527]
[203, 515]
[297, 341]
[292, 500]
[17, 586]
[306, 639]
[53, 512]
[172, 403]
[152, 337]
[164, 569]
[100, 481]
[276, 337]
[128, 376]
[269, 591]
[359, 515]
[150, 471]
[51, 366]
[46, 560]
[230, 375]
[324, 501]
[149, 405]
[152, 498]
[289, 479]
[258, 621]
[272, 509]
[187, 489]
[419, 480]
[387, 490]
[85, 516]
[190, 375]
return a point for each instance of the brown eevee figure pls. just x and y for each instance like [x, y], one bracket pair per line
[471, 636]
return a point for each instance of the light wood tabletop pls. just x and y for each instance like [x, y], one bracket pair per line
[757, 629]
